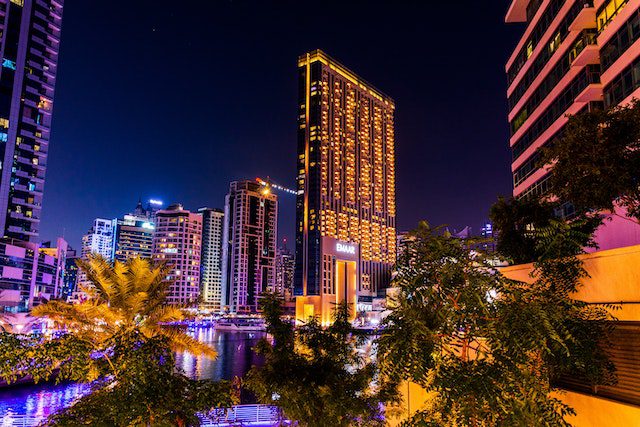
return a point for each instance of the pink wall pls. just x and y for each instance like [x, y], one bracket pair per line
[617, 232]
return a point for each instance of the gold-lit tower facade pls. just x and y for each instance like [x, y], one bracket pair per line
[346, 181]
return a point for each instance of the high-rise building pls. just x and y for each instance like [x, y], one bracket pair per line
[29, 45]
[345, 210]
[178, 242]
[132, 237]
[70, 275]
[285, 268]
[211, 258]
[249, 248]
[99, 239]
[153, 206]
[30, 41]
[574, 56]
[31, 273]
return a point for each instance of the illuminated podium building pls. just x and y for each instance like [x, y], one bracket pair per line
[345, 210]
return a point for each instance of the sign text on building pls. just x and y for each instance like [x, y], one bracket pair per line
[345, 249]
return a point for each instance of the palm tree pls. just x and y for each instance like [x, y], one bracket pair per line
[126, 297]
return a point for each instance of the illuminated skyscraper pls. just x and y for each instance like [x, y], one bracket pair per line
[178, 241]
[285, 267]
[346, 211]
[249, 248]
[70, 274]
[132, 237]
[211, 259]
[574, 56]
[99, 239]
[29, 44]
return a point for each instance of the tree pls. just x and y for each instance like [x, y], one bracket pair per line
[596, 164]
[148, 392]
[485, 347]
[517, 223]
[120, 339]
[125, 297]
[316, 375]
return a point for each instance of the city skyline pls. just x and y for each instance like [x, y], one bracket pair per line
[135, 151]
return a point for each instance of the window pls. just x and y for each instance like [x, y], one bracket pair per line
[628, 34]
[589, 75]
[607, 12]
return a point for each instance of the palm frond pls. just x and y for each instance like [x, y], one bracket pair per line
[180, 341]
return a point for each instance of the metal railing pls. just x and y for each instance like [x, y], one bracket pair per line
[245, 415]
[241, 415]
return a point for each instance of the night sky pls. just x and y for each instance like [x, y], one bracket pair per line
[173, 100]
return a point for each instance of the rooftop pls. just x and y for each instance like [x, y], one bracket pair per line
[319, 55]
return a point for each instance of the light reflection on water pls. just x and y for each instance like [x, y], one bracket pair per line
[235, 358]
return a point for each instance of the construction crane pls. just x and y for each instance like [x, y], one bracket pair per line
[268, 184]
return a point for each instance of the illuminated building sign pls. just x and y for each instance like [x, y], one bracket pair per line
[345, 249]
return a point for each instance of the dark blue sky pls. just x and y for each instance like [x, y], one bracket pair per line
[173, 100]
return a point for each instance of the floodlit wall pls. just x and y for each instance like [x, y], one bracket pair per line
[614, 278]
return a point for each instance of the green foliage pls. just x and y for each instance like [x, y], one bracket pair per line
[515, 222]
[518, 224]
[317, 375]
[487, 348]
[123, 297]
[118, 340]
[597, 162]
[155, 393]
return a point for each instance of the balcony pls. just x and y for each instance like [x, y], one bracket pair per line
[585, 51]
[586, 19]
[23, 202]
[517, 11]
[19, 230]
[22, 217]
[592, 92]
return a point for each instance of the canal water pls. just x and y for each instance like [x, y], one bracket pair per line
[235, 358]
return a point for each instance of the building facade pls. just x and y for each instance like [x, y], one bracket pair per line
[30, 41]
[178, 242]
[211, 258]
[29, 46]
[574, 56]
[345, 210]
[30, 274]
[612, 275]
[285, 268]
[99, 239]
[249, 247]
[69, 285]
[132, 237]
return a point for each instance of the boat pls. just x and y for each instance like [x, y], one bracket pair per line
[240, 324]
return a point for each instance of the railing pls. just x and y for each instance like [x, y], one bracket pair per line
[587, 38]
[244, 415]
